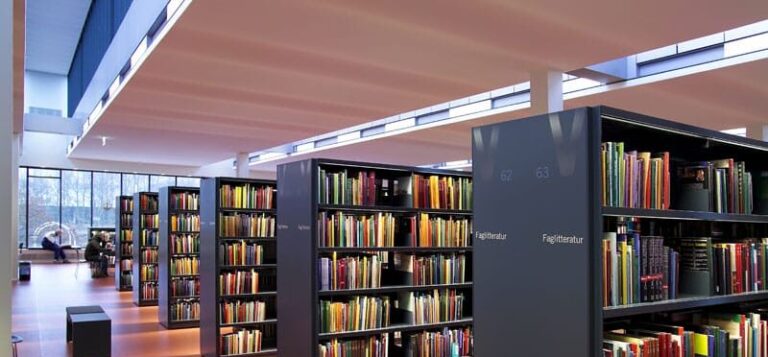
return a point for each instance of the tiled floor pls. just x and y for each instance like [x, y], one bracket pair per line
[39, 316]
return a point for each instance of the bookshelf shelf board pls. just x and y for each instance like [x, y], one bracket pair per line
[173, 211]
[683, 215]
[265, 352]
[681, 304]
[265, 239]
[183, 255]
[393, 328]
[125, 227]
[179, 324]
[257, 266]
[248, 210]
[247, 324]
[125, 288]
[185, 276]
[390, 209]
[184, 232]
[392, 289]
[395, 249]
[125, 258]
[149, 212]
[146, 302]
[185, 297]
[246, 296]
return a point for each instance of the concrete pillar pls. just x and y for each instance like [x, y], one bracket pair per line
[243, 170]
[7, 234]
[546, 91]
[757, 132]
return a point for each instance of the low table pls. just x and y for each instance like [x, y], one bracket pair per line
[76, 310]
[91, 335]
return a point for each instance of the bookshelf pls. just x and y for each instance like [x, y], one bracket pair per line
[108, 245]
[124, 243]
[179, 257]
[146, 225]
[229, 225]
[540, 188]
[391, 263]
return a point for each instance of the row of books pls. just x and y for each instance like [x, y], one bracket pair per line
[722, 186]
[185, 266]
[341, 188]
[240, 342]
[186, 222]
[247, 196]
[635, 179]
[148, 290]
[126, 265]
[375, 346]
[149, 272]
[438, 231]
[148, 203]
[435, 307]
[149, 237]
[445, 343]
[126, 278]
[185, 201]
[358, 313]
[184, 287]
[185, 311]
[242, 311]
[185, 243]
[723, 268]
[126, 220]
[149, 221]
[239, 282]
[126, 249]
[149, 256]
[434, 269]
[349, 272]
[344, 230]
[126, 235]
[241, 253]
[638, 269]
[126, 204]
[720, 334]
[442, 192]
[247, 225]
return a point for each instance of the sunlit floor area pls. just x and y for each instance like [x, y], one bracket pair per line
[39, 315]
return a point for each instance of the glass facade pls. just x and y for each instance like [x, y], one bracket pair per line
[75, 200]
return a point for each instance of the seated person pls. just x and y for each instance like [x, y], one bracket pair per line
[93, 255]
[48, 243]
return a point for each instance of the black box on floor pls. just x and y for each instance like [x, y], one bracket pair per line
[25, 270]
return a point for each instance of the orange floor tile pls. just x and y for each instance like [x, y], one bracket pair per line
[39, 316]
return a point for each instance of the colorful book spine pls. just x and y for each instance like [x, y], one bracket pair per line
[442, 192]
[247, 196]
[247, 225]
[358, 313]
[348, 230]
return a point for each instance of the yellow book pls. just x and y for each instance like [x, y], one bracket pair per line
[701, 345]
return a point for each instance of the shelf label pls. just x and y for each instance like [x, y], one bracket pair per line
[490, 236]
[553, 239]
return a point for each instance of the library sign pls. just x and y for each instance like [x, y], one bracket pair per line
[553, 239]
[490, 236]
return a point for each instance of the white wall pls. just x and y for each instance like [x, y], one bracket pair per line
[7, 170]
[45, 90]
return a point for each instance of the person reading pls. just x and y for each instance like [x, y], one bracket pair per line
[93, 254]
[49, 243]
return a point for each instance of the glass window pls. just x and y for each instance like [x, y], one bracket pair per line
[75, 207]
[44, 215]
[23, 206]
[161, 181]
[133, 183]
[187, 181]
[106, 187]
[44, 173]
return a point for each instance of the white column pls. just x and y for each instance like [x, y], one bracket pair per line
[15, 154]
[243, 170]
[7, 234]
[757, 132]
[546, 91]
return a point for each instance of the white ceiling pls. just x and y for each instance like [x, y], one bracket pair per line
[254, 75]
[53, 31]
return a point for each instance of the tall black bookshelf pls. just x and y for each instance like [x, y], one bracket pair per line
[386, 198]
[229, 220]
[146, 225]
[107, 235]
[124, 243]
[179, 257]
[540, 223]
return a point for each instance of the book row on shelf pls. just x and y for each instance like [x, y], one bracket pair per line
[148, 202]
[246, 225]
[149, 272]
[643, 180]
[446, 343]
[126, 265]
[185, 243]
[350, 272]
[126, 250]
[187, 222]
[126, 220]
[126, 235]
[149, 238]
[185, 266]
[149, 256]
[710, 334]
[247, 196]
[439, 306]
[434, 269]
[239, 282]
[243, 341]
[239, 311]
[383, 230]
[126, 205]
[188, 201]
[185, 310]
[442, 192]
[148, 290]
[241, 253]
[184, 287]
[149, 221]
[126, 278]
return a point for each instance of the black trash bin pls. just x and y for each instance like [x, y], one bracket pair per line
[25, 270]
